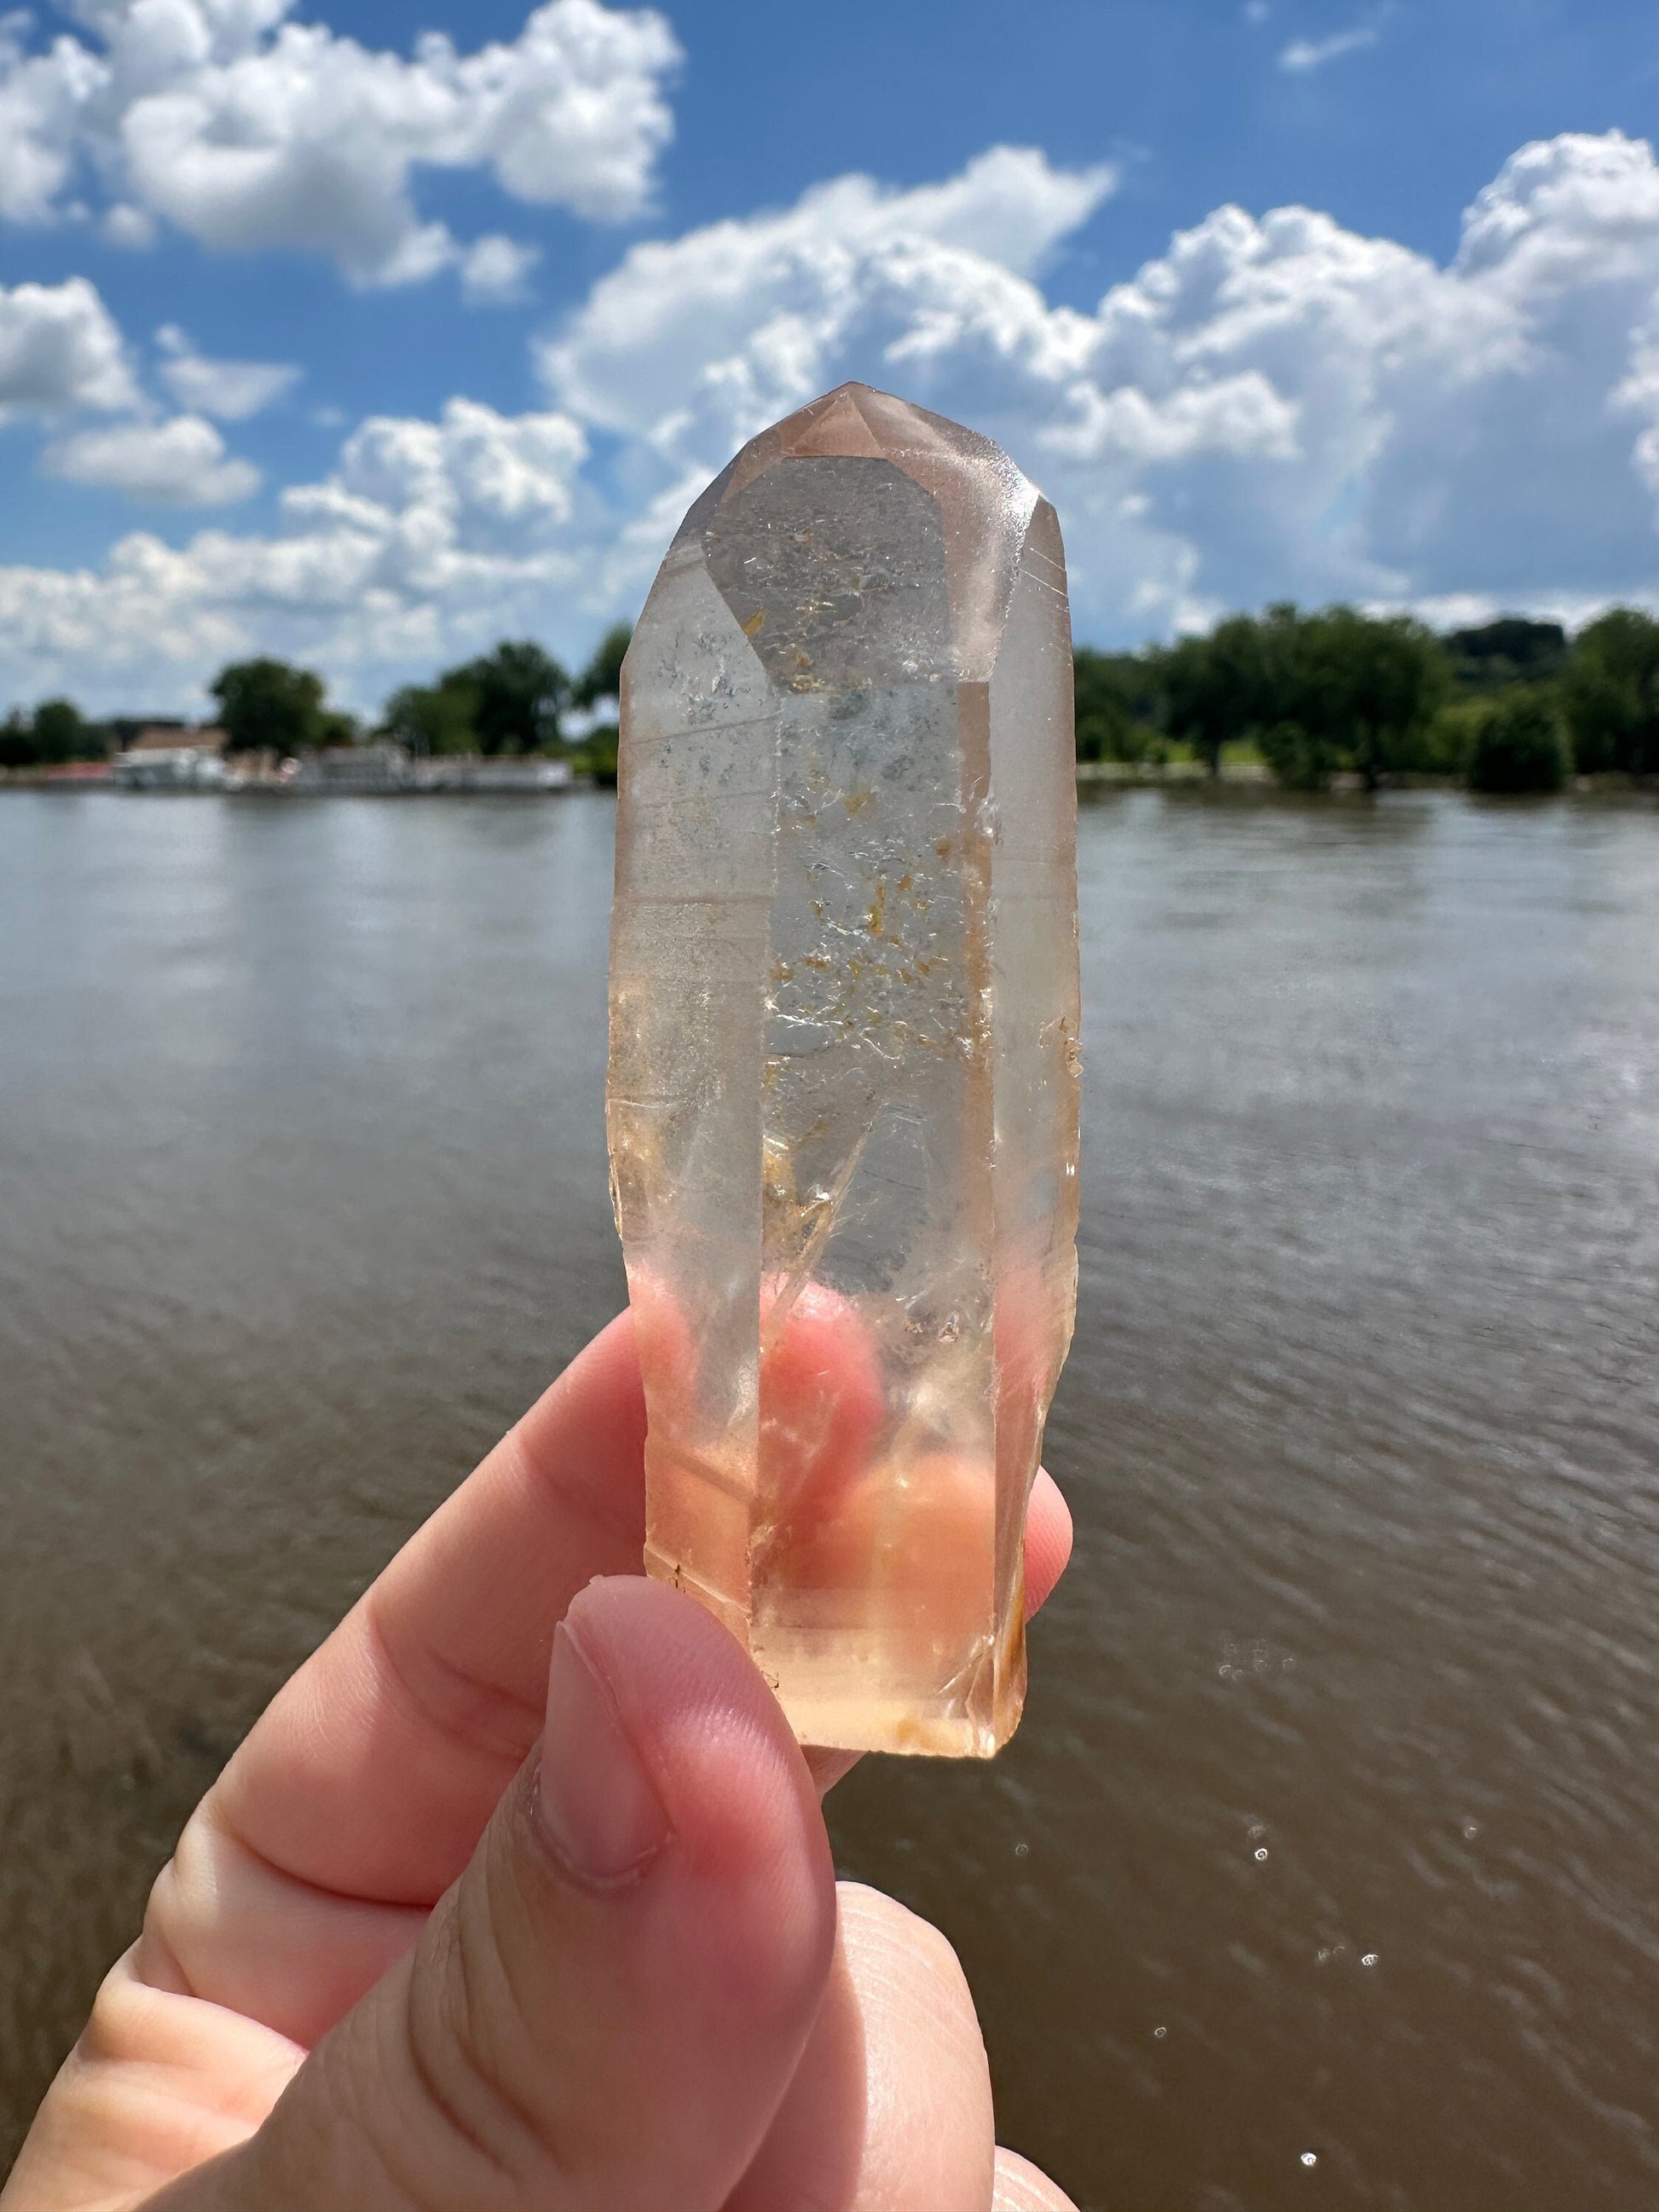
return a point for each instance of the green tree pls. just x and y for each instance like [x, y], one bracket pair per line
[62, 733]
[1300, 719]
[55, 732]
[1512, 650]
[266, 705]
[18, 748]
[602, 676]
[599, 747]
[434, 718]
[1301, 758]
[1119, 700]
[1213, 687]
[1372, 686]
[1519, 746]
[1611, 694]
[520, 690]
[1448, 745]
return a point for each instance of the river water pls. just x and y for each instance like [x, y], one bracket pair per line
[1322, 1872]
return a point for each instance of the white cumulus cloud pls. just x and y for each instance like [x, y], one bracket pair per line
[494, 271]
[1302, 56]
[181, 463]
[230, 391]
[60, 348]
[247, 129]
[426, 540]
[1238, 372]
[730, 324]
[1273, 406]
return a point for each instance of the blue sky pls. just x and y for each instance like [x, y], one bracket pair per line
[318, 338]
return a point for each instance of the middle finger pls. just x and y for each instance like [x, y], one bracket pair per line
[891, 2106]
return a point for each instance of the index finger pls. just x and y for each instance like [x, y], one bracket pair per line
[375, 1769]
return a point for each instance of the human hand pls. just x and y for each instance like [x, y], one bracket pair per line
[486, 1917]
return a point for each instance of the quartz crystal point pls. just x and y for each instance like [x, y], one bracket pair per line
[843, 1093]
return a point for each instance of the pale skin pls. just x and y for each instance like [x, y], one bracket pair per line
[517, 1898]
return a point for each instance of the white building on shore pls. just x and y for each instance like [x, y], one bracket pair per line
[476, 772]
[176, 756]
[171, 756]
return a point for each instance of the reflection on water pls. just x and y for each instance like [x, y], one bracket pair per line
[1328, 1829]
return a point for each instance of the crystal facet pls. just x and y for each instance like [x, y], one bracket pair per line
[843, 1099]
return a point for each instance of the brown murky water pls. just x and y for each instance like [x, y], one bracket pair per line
[1330, 1831]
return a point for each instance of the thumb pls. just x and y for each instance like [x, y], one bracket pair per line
[603, 2013]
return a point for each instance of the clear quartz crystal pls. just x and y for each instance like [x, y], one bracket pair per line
[843, 1094]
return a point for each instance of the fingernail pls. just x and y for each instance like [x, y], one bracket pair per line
[605, 1817]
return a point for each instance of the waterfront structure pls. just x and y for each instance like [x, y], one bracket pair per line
[386, 767]
[365, 769]
[170, 756]
[474, 772]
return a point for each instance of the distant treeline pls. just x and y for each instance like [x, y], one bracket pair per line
[511, 700]
[1514, 705]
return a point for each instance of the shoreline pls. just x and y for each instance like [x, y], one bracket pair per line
[1092, 776]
